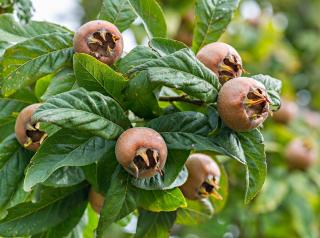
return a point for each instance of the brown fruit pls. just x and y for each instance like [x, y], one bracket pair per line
[203, 178]
[312, 119]
[141, 151]
[96, 200]
[301, 154]
[243, 104]
[100, 39]
[222, 59]
[28, 133]
[287, 112]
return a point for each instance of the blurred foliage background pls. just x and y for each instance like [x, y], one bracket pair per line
[275, 37]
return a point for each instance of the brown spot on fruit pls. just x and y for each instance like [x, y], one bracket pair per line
[243, 104]
[28, 133]
[203, 178]
[222, 59]
[141, 151]
[100, 39]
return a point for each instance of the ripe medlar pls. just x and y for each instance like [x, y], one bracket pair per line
[28, 133]
[301, 154]
[96, 200]
[100, 39]
[203, 178]
[243, 104]
[222, 59]
[287, 112]
[141, 151]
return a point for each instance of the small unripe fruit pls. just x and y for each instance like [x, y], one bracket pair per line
[243, 104]
[301, 154]
[287, 112]
[141, 151]
[203, 178]
[96, 200]
[222, 59]
[100, 39]
[28, 133]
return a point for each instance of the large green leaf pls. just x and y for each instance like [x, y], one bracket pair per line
[34, 58]
[181, 70]
[85, 111]
[139, 55]
[10, 108]
[253, 147]
[120, 201]
[212, 18]
[64, 148]
[93, 75]
[154, 224]
[13, 31]
[273, 87]
[30, 218]
[152, 16]
[119, 12]
[166, 46]
[157, 201]
[196, 212]
[13, 161]
[61, 82]
[140, 98]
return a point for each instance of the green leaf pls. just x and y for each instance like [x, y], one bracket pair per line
[30, 218]
[42, 85]
[13, 31]
[158, 200]
[65, 177]
[64, 148]
[32, 59]
[212, 18]
[152, 16]
[93, 75]
[118, 12]
[140, 98]
[120, 201]
[174, 173]
[62, 82]
[196, 212]
[271, 196]
[10, 109]
[273, 87]
[94, 113]
[155, 224]
[253, 147]
[182, 70]
[13, 161]
[166, 46]
[139, 55]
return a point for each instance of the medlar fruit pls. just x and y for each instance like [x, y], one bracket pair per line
[141, 151]
[28, 133]
[203, 178]
[301, 154]
[287, 112]
[243, 104]
[100, 39]
[96, 200]
[312, 119]
[222, 59]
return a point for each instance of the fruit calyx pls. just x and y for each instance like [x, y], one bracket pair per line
[145, 159]
[256, 103]
[102, 43]
[230, 68]
[34, 134]
[209, 188]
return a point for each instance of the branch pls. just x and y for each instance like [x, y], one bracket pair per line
[182, 98]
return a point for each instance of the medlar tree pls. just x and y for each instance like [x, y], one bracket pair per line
[123, 126]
